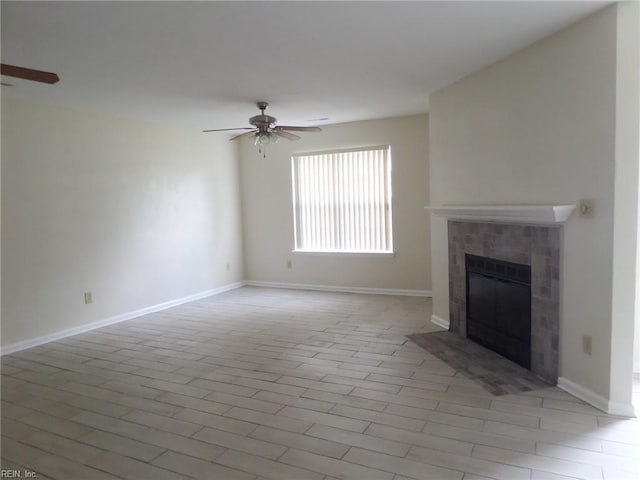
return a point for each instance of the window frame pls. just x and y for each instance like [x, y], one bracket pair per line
[387, 201]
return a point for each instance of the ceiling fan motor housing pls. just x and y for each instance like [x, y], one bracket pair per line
[262, 121]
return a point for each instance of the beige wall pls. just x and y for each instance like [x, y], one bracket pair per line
[625, 234]
[138, 213]
[539, 128]
[267, 210]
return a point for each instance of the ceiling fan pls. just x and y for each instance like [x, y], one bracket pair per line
[28, 74]
[265, 130]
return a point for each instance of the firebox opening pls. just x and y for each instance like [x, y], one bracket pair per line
[499, 306]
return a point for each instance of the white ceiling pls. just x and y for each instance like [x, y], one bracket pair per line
[205, 64]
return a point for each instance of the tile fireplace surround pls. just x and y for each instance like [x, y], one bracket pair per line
[538, 247]
[529, 235]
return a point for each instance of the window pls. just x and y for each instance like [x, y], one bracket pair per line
[342, 201]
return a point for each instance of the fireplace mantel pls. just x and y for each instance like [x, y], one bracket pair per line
[509, 214]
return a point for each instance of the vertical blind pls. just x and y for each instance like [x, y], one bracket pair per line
[342, 201]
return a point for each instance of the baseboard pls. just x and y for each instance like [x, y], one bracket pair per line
[341, 289]
[598, 401]
[440, 322]
[52, 337]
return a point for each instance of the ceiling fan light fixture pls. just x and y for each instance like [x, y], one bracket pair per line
[262, 140]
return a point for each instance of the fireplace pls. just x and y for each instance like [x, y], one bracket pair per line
[536, 248]
[499, 306]
[524, 234]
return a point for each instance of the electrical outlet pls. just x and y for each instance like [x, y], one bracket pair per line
[88, 298]
[587, 344]
[289, 264]
[228, 266]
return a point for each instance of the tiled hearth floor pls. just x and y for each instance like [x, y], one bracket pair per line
[495, 373]
[276, 384]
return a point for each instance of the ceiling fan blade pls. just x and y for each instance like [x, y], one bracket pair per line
[252, 132]
[299, 129]
[228, 129]
[29, 74]
[287, 135]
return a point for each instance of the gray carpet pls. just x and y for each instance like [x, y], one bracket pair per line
[490, 370]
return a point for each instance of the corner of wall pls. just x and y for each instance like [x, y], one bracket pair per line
[595, 400]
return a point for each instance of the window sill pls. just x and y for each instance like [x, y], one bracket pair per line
[342, 253]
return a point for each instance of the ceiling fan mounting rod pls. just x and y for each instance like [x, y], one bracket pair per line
[262, 122]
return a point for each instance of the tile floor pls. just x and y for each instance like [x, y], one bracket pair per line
[274, 384]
